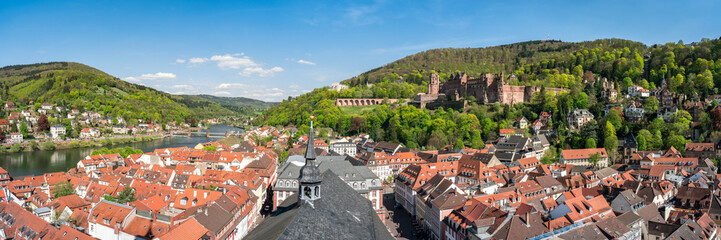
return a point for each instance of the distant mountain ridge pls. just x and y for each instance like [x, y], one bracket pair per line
[77, 85]
[247, 106]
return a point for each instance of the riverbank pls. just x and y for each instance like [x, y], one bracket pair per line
[34, 163]
[30, 146]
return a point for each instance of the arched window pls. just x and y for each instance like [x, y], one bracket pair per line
[306, 191]
[317, 191]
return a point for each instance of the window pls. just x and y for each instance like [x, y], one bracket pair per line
[106, 221]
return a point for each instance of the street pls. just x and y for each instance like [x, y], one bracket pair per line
[398, 220]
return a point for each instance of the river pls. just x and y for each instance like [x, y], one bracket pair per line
[40, 162]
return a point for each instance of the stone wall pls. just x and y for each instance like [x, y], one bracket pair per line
[343, 102]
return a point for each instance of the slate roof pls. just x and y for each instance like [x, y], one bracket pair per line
[715, 207]
[340, 165]
[521, 227]
[629, 218]
[650, 213]
[605, 172]
[631, 197]
[340, 214]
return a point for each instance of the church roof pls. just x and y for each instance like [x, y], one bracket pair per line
[341, 213]
[340, 165]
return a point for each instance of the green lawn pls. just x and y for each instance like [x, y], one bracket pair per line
[358, 110]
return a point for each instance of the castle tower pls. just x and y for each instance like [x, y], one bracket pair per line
[500, 81]
[434, 84]
[310, 177]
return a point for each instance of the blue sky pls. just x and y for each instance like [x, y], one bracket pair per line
[270, 50]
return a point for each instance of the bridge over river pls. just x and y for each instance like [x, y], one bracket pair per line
[207, 133]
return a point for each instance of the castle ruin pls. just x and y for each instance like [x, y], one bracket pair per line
[488, 88]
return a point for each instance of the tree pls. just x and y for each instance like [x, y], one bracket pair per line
[550, 156]
[641, 143]
[458, 144]
[676, 82]
[192, 122]
[610, 130]
[590, 130]
[627, 82]
[611, 145]
[716, 118]
[16, 148]
[47, 146]
[126, 196]
[582, 100]
[651, 105]
[63, 189]
[211, 148]
[2, 136]
[614, 117]
[43, 124]
[476, 140]
[590, 143]
[678, 142]
[24, 129]
[594, 158]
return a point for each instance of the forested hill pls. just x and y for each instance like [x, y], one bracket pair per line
[523, 58]
[239, 104]
[689, 70]
[77, 85]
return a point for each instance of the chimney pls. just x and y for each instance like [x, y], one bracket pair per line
[205, 195]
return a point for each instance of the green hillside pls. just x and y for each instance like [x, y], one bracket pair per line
[692, 70]
[76, 85]
[527, 59]
[242, 105]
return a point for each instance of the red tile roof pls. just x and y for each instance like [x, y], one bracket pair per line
[583, 153]
[189, 229]
[113, 212]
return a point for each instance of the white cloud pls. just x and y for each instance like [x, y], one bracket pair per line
[197, 60]
[231, 86]
[257, 91]
[306, 62]
[180, 60]
[158, 76]
[320, 79]
[239, 61]
[247, 72]
[229, 61]
[151, 76]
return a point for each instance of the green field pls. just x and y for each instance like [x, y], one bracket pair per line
[358, 110]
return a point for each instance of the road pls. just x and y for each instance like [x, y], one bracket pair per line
[400, 220]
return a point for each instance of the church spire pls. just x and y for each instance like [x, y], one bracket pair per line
[310, 149]
[310, 177]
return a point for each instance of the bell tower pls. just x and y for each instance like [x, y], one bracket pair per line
[310, 177]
